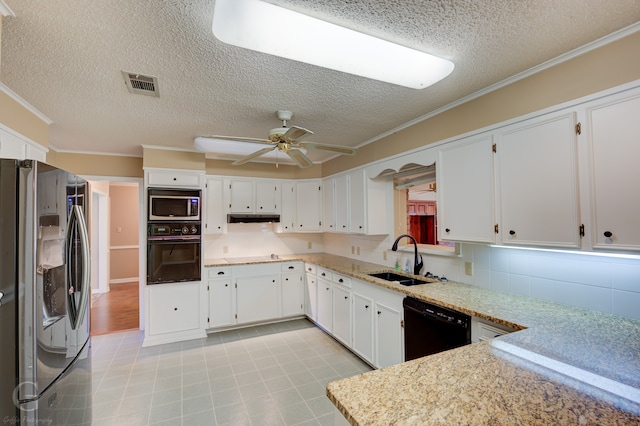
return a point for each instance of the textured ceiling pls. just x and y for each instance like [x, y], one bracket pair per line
[65, 57]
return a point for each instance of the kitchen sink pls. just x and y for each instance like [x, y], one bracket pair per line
[401, 279]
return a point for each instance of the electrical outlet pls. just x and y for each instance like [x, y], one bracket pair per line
[358, 250]
[353, 249]
[468, 268]
[384, 255]
[225, 249]
[309, 245]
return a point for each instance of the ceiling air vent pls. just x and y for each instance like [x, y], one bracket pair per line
[141, 84]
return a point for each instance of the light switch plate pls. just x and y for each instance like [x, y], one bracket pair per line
[468, 268]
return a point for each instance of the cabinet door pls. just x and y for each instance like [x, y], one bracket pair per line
[538, 182]
[311, 297]
[325, 302]
[173, 307]
[309, 206]
[292, 294]
[328, 205]
[242, 197]
[363, 326]
[288, 207]
[267, 197]
[172, 178]
[258, 298]
[215, 218]
[342, 203]
[388, 338]
[613, 129]
[342, 314]
[221, 302]
[465, 189]
[357, 202]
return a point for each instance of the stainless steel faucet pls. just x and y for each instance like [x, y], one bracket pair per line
[417, 265]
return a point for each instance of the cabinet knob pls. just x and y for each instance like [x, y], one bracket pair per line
[248, 207]
[379, 312]
[175, 180]
[260, 207]
[219, 227]
[366, 306]
[226, 285]
[608, 234]
[175, 309]
[340, 280]
[360, 226]
[328, 288]
[447, 230]
[273, 281]
[323, 274]
[512, 232]
[346, 297]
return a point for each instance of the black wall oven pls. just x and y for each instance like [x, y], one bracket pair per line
[173, 252]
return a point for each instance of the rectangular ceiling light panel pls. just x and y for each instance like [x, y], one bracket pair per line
[263, 27]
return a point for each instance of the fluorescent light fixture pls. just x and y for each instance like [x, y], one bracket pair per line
[266, 28]
[581, 253]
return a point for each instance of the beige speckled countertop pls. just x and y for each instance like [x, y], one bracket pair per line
[481, 384]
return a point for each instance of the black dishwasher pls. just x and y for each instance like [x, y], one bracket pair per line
[429, 329]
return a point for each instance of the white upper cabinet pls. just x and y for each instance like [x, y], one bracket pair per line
[309, 206]
[342, 203]
[255, 196]
[537, 181]
[267, 196]
[613, 126]
[465, 185]
[328, 205]
[362, 205]
[173, 178]
[288, 207]
[19, 148]
[215, 206]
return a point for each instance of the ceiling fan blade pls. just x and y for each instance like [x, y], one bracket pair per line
[299, 157]
[252, 156]
[331, 148]
[235, 138]
[294, 133]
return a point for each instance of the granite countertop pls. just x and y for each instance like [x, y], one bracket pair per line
[496, 382]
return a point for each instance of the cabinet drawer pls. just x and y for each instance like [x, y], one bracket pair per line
[216, 272]
[292, 267]
[310, 268]
[342, 279]
[325, 273]
[173, 179]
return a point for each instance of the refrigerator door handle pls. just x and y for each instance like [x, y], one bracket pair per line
[77, 310]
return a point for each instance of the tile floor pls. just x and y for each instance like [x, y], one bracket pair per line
[272, 374]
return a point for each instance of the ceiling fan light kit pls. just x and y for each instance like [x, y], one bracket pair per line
[250, 24]
[287, 140]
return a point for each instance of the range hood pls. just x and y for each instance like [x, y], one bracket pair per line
[252, 218]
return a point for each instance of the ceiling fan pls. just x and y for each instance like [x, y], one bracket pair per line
[288, 140]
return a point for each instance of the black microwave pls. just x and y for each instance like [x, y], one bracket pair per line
[171, 204]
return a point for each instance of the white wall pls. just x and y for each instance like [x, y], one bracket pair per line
[600, 283]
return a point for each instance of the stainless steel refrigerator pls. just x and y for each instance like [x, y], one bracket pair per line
[45, 373]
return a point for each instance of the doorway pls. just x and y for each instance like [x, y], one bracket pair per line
[114, 217]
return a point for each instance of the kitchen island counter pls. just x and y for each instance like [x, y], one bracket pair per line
[484, 383]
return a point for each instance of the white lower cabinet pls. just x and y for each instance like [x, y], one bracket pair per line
[342, 306]
[258, 298]
[388, 334]
[173, 313]
[325, 301]
[378, 336]
[363, 327]
[292, 290]
[311, 293]
[222, 297]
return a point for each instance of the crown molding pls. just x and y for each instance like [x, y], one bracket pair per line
[13, 95]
